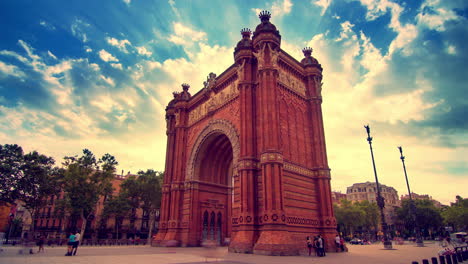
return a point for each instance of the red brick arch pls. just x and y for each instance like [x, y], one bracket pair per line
[214, 127]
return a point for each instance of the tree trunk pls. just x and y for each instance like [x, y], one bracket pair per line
[33, 221]
[83, 226]
[151, 224]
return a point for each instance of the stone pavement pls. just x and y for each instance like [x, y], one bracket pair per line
[358, 254]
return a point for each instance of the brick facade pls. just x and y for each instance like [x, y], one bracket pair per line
[246, 158]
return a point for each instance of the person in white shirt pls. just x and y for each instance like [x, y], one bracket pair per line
[77, 242]
[337, 242]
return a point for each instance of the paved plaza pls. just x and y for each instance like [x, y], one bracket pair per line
[403, 254]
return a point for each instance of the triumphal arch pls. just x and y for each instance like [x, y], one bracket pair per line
[246, 161]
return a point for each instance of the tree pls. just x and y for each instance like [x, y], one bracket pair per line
[349, 216]
[85, 180]
[145, 191]
[118, 206]
[457, 214]
[11, 173]
[371, 214]
[428, 217]
[40, 182]
[30, 178]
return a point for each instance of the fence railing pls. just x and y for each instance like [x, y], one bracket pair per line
[458, 255]
[84, 242]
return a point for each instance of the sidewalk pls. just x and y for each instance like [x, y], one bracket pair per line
[358, 254]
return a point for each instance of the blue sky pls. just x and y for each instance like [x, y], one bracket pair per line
[98, 75]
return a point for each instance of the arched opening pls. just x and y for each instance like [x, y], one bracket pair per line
[213, 169]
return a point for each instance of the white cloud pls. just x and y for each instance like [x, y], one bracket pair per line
[278, 8]
[78, 30]
[406, 35]
[46, 25]
[184, 35]
[88, 49]
[117, 66]
[451, 50]
[324, 4]
[108, 80]
[437, 17]
[121, 44]
[346, 31]
[143, 51]
[106, 56]
[127, 1]
[11, 70]
[174, 8]
[51, 55]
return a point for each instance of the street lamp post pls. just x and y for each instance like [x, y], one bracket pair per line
[380, 200]
[412, 212]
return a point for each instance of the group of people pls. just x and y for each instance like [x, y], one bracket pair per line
[318, 243]
[73, 243]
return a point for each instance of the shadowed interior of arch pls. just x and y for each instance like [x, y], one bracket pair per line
[214, 171]
[214, 164]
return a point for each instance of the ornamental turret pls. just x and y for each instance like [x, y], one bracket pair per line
[266, 32]
[308, 60]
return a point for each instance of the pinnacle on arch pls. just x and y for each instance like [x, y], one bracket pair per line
[185, 86]
[307, 51]
[245, 32]
[264, 16]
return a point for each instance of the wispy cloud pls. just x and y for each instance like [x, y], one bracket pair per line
[324, 4]
[106, 56]
[184, 35]
[143, 51]
[78, 29]
[46, 25]
[278, 8]
[120, 44]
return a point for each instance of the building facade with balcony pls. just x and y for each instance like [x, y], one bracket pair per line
[367, 191]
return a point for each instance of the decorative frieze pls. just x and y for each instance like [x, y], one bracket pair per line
[214, 102]
[292, 82]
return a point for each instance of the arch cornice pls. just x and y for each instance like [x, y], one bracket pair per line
[220, 126]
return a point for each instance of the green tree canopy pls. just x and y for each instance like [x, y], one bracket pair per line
[85, 180]
[144, 191]
[29, 177]
[457, 214]
[427, 216]
[11, 172]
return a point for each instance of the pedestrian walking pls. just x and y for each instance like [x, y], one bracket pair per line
[321, 246]
[77, 242]
[337, 242]
[40, 244]
[71, 242]
[309, 244]
[342, 244]
[316, 247]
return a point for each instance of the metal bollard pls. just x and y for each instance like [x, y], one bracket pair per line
[425, 261]
[448, 259]
[442, 259]
[434, 261]
[459, 256]
[414, 262]
[454, 259]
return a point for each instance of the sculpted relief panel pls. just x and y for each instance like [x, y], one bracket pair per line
[292, 82]
[215, 101]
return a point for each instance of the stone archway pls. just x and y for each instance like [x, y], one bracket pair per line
[212, 166]
[215, 127]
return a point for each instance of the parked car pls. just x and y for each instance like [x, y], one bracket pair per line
[356, 241]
